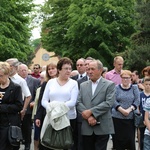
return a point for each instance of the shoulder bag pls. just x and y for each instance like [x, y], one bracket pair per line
[138, 120]
[138, 117]
[61, 139]
[14, 134]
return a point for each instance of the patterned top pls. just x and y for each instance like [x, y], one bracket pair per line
[125, 98]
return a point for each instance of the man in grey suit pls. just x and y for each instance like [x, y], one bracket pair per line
[95, 100]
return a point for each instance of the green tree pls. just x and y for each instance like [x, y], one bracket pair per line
[80, 28]
[14, 29]
[54, 26]
[36, 43]
[138, 55]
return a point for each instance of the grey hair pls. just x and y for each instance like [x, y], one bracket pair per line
[13, 61]
[99, 63]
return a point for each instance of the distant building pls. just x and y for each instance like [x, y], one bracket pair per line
[43, 57]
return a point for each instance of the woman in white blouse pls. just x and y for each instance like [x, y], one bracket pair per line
[63, 89]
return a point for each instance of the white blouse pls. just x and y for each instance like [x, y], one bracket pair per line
[67, 93]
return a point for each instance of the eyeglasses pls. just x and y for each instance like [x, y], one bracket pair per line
[79, 65]
[70, 69]
[126, 78]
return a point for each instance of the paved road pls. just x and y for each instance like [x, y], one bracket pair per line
[109, 147]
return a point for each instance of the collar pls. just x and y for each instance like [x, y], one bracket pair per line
[114, 72]
[14, 76]
[97, 81]
[83, 75]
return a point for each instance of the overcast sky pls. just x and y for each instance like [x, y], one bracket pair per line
[36, 31]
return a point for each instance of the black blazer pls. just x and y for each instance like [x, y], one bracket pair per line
[11, 104]
[41, 112]
[85, 78]
[75, 77]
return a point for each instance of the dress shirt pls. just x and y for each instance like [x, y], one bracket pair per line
[113, 76]
[80, 76]
[94, 85]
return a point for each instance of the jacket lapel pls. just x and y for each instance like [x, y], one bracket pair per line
[28, 80]
[89, 89]
[98, 88]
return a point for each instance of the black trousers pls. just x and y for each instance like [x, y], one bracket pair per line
[27, 128]
[73, 123]
[4, 143]
[142, 130]
[95, 142]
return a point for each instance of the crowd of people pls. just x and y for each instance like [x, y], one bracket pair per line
[100, 103]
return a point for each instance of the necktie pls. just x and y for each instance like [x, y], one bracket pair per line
[80, 76]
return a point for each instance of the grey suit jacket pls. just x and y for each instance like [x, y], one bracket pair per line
[33, 84]
[100, 104]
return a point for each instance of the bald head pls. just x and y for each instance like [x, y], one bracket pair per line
[80, 65]
[23, 70]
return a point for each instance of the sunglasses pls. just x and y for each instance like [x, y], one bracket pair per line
[35, 68]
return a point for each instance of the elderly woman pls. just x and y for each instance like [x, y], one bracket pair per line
[11, 104]
[63, 89]
[127, 100]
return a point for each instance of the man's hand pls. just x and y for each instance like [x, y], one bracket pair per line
[86, 114]
[92, 121]
[23, 112]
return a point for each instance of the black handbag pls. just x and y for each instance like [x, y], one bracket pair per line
[61, 139]
[138, 120]
[14, 135]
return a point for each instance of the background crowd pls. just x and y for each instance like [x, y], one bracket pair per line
[101, 103]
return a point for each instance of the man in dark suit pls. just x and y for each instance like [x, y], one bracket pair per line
[96, 97]
[80, 65]
[79, 117]
[33, 84]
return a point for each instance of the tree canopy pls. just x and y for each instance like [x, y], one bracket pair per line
[81, 28]
[14, 29]
[138, 55]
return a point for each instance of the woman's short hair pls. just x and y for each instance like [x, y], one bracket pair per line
[5, 67]
[126, 72]
[62, 61]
